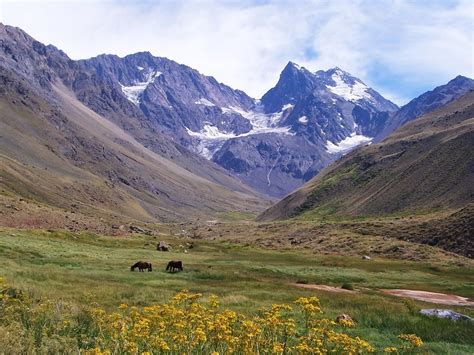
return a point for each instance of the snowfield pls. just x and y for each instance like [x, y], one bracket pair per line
[204, 102]
[355, 92]
[211, 138]
[347, 144]
[133, 93]
[303, 119]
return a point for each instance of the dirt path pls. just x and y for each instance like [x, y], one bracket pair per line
[432, 297]
[324, 288]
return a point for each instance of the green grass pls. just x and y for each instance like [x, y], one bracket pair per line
[84, 268]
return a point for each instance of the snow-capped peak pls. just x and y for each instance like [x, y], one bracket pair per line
[350, 89]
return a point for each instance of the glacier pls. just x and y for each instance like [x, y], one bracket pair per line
[133, 92]
[347, 143]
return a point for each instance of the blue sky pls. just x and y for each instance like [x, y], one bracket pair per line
[399, 47]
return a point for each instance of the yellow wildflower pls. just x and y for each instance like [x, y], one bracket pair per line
[413, 339]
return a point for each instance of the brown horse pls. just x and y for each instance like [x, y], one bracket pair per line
[141, 265]
[174, 265]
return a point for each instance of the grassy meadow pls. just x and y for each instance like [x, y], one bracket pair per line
[80, 269]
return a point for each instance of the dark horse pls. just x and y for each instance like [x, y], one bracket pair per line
[174, 265]
[141, 265]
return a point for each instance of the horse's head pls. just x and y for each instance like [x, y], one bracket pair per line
[149, 267]
[132, 268]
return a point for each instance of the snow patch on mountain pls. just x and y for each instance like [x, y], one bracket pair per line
[210, 132]
[350, 92]
[204, 102]
[347, 144]
[260, 121]
[211, 138]
[133, 92]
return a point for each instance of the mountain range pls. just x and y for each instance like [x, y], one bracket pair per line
[148, 138]
[427, 164]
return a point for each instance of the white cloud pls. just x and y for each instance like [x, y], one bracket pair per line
[395, 46]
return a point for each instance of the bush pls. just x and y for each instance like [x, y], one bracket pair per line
[347, 286]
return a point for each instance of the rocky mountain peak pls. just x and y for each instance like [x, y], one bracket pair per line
[460, 81]
[427, 102]
[294, 83]
[323, 114]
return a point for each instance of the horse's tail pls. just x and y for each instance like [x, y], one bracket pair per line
[168, 266]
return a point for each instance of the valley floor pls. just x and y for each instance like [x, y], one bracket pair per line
[83, 268]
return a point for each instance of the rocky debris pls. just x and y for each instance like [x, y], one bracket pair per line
[344, 318]
[10, 206]
[162, 246]
[136, 229]
[445, 313]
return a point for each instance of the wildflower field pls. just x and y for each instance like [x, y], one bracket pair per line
[70, 293]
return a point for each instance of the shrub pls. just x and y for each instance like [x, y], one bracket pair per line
[347, 286]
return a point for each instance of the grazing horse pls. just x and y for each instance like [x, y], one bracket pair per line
[174, 265]
[141, 265]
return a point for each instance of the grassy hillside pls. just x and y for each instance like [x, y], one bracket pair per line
[426, 165]
[77, 269]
